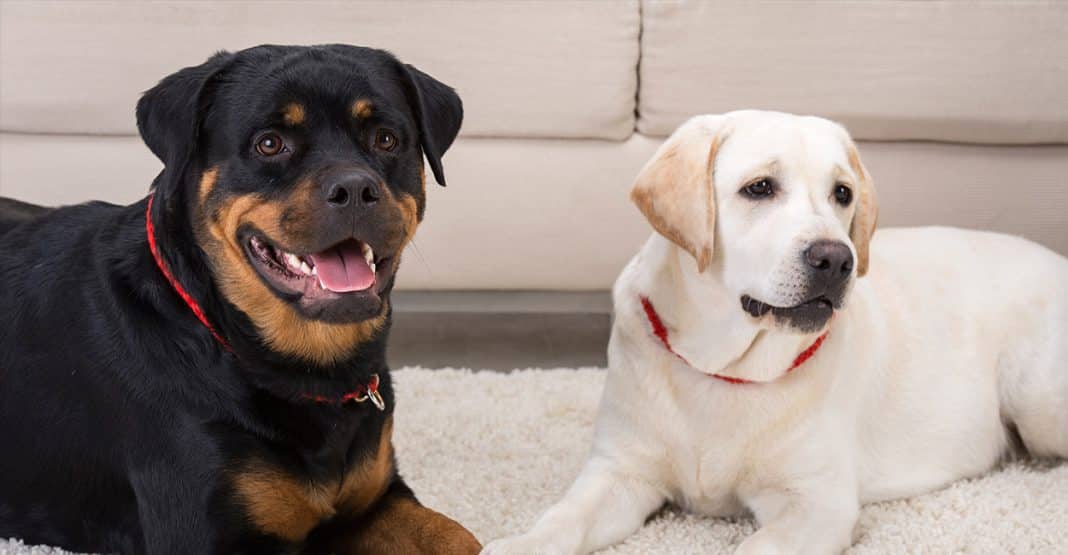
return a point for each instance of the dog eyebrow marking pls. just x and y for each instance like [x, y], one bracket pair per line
[293, 114]
[362, 108]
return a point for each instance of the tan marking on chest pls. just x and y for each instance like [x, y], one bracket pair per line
[286, 506]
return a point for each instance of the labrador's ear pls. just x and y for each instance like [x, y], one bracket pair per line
[169, 117]
[676, 190]
[439, 113]
[866, 214]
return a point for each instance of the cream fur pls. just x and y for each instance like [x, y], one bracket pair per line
[952, 336]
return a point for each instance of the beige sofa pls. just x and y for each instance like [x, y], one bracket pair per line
[961, 107]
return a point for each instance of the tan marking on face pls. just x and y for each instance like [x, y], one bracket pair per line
[362, 108]
[207, 184]
[410, 210]
[283, 328]
[293, 114]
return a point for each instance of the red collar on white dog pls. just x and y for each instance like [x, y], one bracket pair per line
[661, 333]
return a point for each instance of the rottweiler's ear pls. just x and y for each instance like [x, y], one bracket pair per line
[867, 209]
[439, 112]
[169, 116]
[675, 189]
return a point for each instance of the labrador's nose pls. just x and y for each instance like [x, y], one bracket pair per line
[830, 262]
[356, 188]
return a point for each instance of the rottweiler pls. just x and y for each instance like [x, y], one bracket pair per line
[204, 371]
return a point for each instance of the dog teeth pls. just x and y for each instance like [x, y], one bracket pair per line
[373, 269]
[368, 254]
[292, 260]
[305, 268]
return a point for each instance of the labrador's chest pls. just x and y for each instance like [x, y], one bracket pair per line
[721, 439]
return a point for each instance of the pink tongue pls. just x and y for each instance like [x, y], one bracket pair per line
[342, 269]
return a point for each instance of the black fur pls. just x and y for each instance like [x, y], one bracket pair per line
[120, 414]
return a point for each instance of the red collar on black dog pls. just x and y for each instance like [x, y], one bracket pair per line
[361, 394]
[150, 231]
[660, 331]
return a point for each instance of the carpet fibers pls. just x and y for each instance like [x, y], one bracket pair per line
[493, 450]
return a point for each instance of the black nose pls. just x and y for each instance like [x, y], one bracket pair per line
[359, 189]
[831, 261]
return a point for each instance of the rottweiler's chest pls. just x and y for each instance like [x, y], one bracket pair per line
[285, 504]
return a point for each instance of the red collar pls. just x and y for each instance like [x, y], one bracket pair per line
[150, 231]
[361, 394]
[661, 333]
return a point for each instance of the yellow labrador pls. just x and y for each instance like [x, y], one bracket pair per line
[770, 354]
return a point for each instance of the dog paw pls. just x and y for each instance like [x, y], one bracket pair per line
[522, 545]
[760, 543]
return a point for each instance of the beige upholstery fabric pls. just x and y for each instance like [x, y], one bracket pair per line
[542, 214]
[524, 68]
[535, 208]
[972, 72]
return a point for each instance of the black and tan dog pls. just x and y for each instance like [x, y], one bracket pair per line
[204, 371]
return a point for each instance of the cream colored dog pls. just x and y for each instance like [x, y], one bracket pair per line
[752, 368]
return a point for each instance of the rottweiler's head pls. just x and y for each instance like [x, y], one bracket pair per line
[300, 172]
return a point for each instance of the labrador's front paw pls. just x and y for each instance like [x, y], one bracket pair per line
[526, 544]
[762, 543]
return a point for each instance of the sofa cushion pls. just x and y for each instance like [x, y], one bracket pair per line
[523, 68]
[975, 72]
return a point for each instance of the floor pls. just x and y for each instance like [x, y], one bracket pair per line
[500, 330]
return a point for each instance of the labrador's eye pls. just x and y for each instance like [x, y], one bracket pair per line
[270, 144]
[843, 194]
[384, 140]
[760, 189]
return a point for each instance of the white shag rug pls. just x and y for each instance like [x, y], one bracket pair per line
[493, 450]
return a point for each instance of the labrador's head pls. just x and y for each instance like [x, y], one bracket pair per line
[778, 207]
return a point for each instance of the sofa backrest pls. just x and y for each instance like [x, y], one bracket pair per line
[524, 69]
[966, 72]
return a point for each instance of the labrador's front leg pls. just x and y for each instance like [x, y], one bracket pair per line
[814, 518]
[602, 507]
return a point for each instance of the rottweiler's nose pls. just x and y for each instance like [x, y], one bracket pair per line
[831, 261]
[354, 188]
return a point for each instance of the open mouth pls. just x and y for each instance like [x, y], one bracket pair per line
[348, 267]
[807, 316]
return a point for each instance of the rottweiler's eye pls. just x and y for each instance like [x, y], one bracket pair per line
[270, 144]
[760, 189]
[384, 140]
[843, 194]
